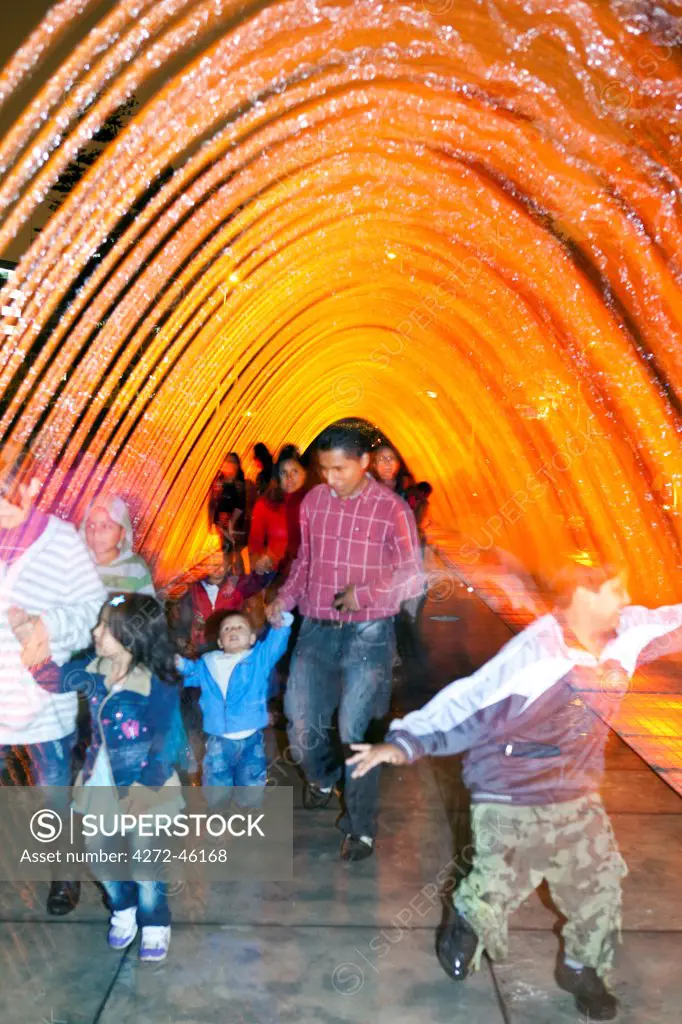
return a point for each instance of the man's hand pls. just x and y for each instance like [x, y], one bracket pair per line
[274, 612]
[369, 755]
[346, 600]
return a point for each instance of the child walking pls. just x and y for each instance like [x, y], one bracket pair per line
[533, 723]
[234, 687]
[132, 689]
[198, 612]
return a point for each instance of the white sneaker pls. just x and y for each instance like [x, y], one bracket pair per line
[154, 944]
[122, 928]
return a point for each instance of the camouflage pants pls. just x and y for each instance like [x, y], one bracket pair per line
[570, 844]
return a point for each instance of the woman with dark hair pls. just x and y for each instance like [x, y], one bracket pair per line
[264, 461]
[296, 478]
[388, 467]
[132, 689]
[273, 545]
[227, 510]
[275, 530]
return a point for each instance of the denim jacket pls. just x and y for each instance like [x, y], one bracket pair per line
[133, 727]
[245, 706]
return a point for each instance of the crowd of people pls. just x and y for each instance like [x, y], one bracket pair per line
[81, 613]
[334, 552]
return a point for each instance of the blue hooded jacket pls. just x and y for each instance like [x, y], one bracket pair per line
[245, 706]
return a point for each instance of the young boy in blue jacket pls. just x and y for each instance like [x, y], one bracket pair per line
[234, 689]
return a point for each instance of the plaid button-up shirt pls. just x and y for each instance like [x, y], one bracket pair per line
[369, 541]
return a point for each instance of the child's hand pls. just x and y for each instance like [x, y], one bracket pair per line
[140, 800]
[285, 619]
[31, 632]
[21, 623]
[262, 565]
[17, 617]
[370, 755]
[275, 613]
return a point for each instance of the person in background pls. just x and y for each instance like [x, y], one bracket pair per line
[107, 531]
[233, 685]
[418, 498]
[50, 592]
[358, 559]
[227, 510]
[275, 526]
[108, 534]
[255, 489]
[534, 723]
[408, 622]
[388, 467]
[133, 675]
[273, 545]
[195, 624]
[263, 460]
[295, 479]
[268, 538]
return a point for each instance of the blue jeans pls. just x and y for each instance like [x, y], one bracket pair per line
[150, 897]
[348, 669]
[49, 764]
[229, 763]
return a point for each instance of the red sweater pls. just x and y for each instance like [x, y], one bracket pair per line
[197, 608]
[269, 534]
[292, 503]
[276, 529]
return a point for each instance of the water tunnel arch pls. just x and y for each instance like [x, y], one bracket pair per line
[370, 207]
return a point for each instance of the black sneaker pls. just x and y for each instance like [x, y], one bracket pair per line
[592, 997]
[314, 797]
[354, 848]
[456, 943]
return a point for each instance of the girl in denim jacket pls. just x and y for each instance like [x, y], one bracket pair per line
[132, 689]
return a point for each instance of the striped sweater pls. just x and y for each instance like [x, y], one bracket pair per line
[130, 573]
[56, 579]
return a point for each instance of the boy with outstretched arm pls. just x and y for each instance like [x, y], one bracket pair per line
[533, 723]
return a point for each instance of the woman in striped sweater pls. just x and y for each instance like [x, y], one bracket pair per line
[49, 592]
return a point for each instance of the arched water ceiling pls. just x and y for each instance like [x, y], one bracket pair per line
[460, 221]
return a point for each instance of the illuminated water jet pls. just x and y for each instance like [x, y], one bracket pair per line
[370, 204]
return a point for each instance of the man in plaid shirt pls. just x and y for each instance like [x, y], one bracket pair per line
[359, 559]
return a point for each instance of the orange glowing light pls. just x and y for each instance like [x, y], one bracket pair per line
[371, 206]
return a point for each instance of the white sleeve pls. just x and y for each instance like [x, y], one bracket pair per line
[640, 627]
[70, 622]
